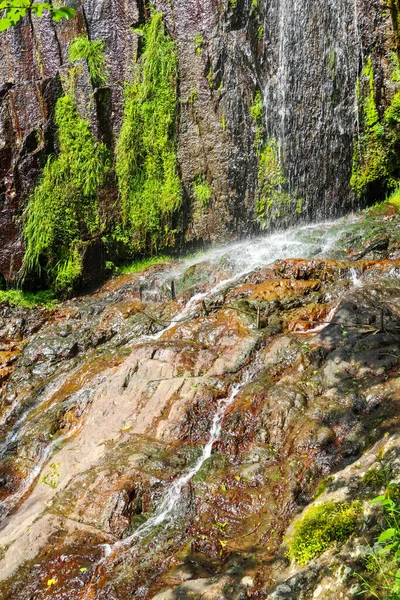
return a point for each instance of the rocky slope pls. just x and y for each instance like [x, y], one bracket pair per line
[109, 399]
[302, 57]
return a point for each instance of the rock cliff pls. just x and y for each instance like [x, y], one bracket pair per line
[302, 57]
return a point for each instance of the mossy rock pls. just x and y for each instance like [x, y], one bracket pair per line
[321, 527]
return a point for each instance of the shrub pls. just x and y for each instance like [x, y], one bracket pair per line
[321, 527]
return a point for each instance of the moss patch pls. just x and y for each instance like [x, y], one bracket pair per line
[146, 158]
[63, 210]
[28, 299]
[202, 191]
[272, 201]
[321, 527]
[375, 157]
[93, 53]
[142, 264]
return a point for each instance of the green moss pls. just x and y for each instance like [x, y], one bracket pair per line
[23, 299]
[321, 527]
[256, 113]
[199, 43]
[93, 53]
[375, 158]
[202, 190]
[63, 209]
[394, 198]
[142, 264]
[272, 201]
[146, 158]
[322, 486]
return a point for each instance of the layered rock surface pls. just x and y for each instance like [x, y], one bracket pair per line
[108, 399]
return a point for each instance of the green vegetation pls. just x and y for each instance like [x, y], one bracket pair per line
[256, 113]
[202, 191]
[45, 298]
[141, 265]
[63, 210]
[381, 578]
[271, 200]
[376, 157]
[394, 198]
[322, 486]
[14, 10]
[321, 527]
[146, 158]
[193, 96]
[232, 4]
[93, 53]
[199, 43]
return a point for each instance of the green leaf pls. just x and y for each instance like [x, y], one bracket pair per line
[377, 499]
[388, 534]
[63, 13]
[5, 24]
[38, 9]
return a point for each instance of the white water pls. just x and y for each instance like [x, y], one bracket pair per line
[166, 509]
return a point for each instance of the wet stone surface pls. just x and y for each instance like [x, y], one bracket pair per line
[109, 400]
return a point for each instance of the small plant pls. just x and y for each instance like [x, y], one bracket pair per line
[256, 113]
[321, 527]
[232, 4]
[394, 198]
[45, 298]
[193, 96]
[270, 182]
[256, 110]
[93, 53]
[202, 191]
[52, 476]
[13, 11]
[382, 577]
[199, 43]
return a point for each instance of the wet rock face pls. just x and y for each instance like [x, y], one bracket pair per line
[109, 399]
[303, 56]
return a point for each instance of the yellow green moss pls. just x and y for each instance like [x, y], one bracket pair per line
[321, 527]
[146, 157]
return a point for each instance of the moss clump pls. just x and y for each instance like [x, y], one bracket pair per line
[63, 209]
[394, 198]
[146, 158]
[29, 299]
[272, 200]
[93, 53]
[375, 158]
[202, 191]
[321, 527]
[256, 113]
[141, 265]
